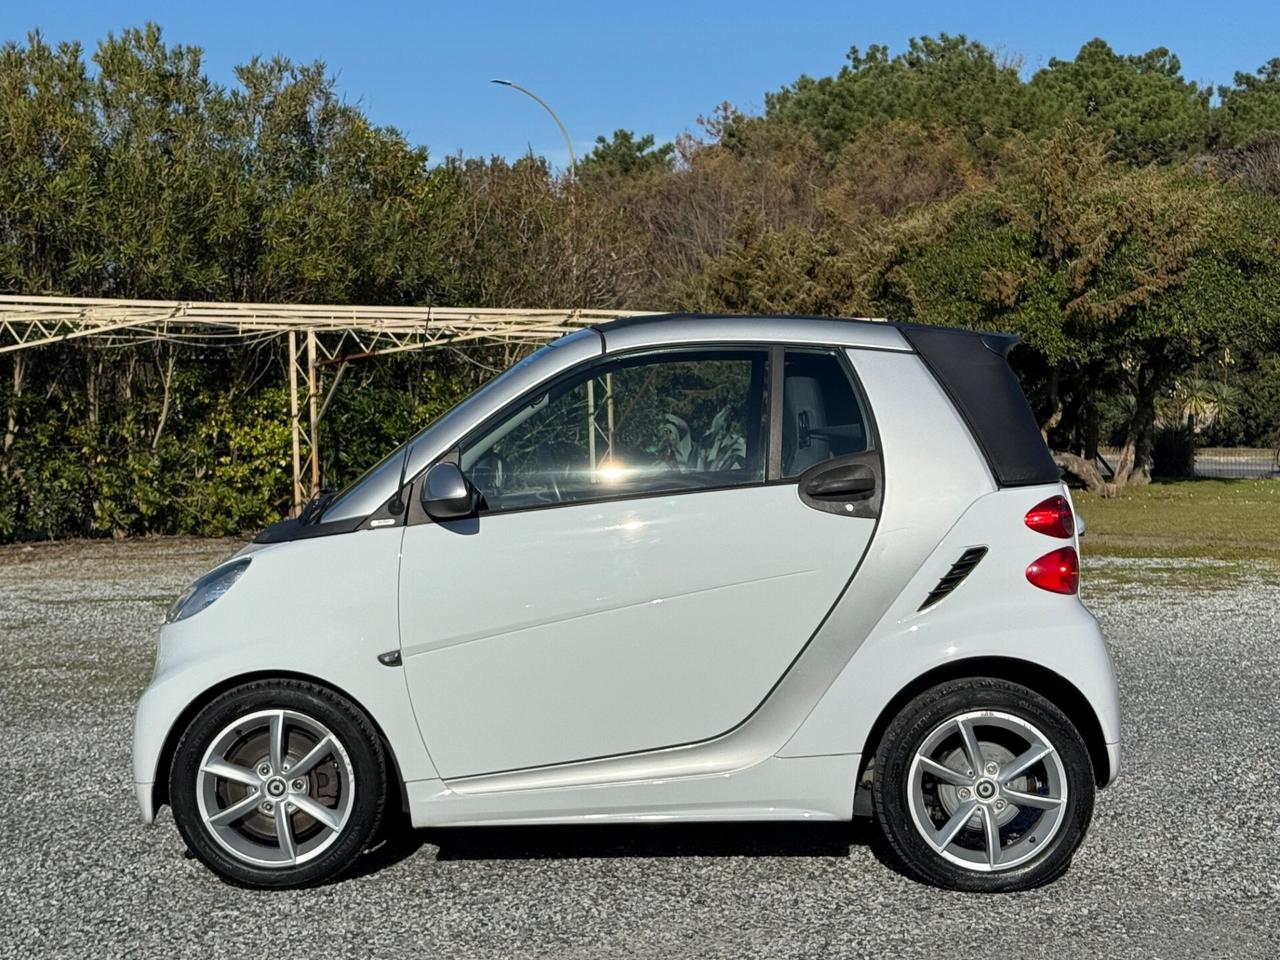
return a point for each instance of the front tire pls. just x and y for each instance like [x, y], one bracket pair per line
[983, 785]
[279, 783]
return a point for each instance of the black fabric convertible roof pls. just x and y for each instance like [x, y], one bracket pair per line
[974, 370]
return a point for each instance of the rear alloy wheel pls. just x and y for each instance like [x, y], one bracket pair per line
[278, 784]
[983, 785]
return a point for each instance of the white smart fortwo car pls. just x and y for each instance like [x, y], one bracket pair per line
[666, 568]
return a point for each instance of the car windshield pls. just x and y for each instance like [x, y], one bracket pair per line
[352, 500]
[373, 476]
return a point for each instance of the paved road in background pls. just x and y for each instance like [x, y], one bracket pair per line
[1260, 463]
[1183, 859]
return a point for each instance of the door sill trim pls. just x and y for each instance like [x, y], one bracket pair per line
[687, 760]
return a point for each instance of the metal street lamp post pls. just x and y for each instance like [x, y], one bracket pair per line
[573, 167]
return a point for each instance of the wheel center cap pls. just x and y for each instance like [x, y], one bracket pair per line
[985, 789]
[275, 787]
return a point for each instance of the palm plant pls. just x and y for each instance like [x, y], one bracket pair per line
[1199, 401]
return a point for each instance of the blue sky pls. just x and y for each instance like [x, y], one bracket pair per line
[652, 67]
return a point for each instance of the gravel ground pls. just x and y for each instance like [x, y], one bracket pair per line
[1183, 859]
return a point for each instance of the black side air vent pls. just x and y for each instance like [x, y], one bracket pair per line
[959, 570]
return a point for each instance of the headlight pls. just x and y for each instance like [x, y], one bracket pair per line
[206, 590]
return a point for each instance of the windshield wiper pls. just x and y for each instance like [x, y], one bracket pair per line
[315, 506]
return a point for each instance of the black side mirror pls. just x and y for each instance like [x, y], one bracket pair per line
[446, 494]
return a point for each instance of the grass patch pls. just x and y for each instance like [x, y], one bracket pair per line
[1124, 575]
[1203, 519]
[1182, 535]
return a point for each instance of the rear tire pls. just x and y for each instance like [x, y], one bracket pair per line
[279, 783]
[1030, 786]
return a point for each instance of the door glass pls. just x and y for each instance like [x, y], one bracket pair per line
[821, 413]
[662, 422]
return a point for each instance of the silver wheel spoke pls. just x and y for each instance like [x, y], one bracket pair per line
[1018, 783]
[314, 756]
[253, 752]
[1031, 800]
[992, 831]
[1021, 764]
[944, 773]
[941, 839]
[234, 812]
[972, 752]
[275, 741]
[233, 772]
[316, 811]
[284, 833]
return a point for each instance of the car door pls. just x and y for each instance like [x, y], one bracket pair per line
[642, 568]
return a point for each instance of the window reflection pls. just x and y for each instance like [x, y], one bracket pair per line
[671, 421]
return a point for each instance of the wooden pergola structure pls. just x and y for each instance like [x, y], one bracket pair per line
[316, 337]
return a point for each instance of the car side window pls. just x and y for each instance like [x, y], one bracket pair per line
[822, 415]
[659, 422]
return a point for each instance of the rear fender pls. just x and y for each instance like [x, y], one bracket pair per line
[993, 613]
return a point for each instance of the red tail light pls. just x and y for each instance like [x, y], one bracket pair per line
[1057, 572]
[1052, 517]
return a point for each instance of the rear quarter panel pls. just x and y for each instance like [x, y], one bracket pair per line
[995, 612]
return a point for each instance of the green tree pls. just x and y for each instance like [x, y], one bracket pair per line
[1250, 106]
[948, 81]
[1117, 278]
[626, 155]
[1082, 209]
[49, 144]
[148, 180]
[1140, 106]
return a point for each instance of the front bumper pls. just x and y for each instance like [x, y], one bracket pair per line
[153, 718]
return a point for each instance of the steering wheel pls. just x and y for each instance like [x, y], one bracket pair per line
[547, 470]
[489, 473]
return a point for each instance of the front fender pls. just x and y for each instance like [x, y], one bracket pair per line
[269, 624]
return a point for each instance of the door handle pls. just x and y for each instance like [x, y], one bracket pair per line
[843, 482]
[848, 486]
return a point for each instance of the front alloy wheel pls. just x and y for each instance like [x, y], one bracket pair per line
[275, 788]
[983, 785]
[278, 784]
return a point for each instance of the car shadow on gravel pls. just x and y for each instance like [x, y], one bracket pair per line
[761, 839]
[604, 841]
